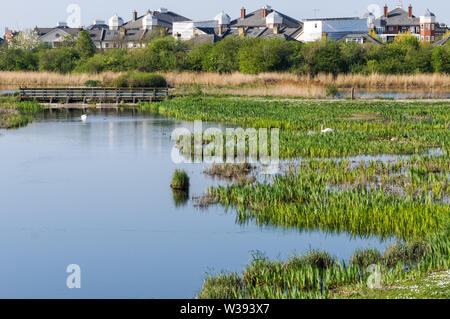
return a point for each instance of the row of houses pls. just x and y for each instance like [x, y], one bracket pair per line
[264, 22]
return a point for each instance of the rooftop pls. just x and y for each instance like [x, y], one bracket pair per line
[255, 19]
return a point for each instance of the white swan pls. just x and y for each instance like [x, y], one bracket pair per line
[327, 130]
[84, 117]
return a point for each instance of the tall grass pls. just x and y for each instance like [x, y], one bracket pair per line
[318, 275]
[52, 79]
[267, 83]
[361, 127]
[373, 81]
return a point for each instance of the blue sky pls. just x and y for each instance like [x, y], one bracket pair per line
[21, 14]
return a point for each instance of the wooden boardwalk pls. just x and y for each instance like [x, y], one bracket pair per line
[93, 95]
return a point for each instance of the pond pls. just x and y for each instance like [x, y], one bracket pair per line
[97, 194]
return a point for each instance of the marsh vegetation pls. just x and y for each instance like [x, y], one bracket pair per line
[336, 186]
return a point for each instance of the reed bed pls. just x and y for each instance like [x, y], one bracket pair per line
[269, 83]
[15, 114]
[317, 275]
[373, 81]
[332, 197]
[52, 79]
[360, 127]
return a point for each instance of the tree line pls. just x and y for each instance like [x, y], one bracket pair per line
[247, 55]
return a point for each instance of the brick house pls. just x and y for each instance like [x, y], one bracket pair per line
[397, 21]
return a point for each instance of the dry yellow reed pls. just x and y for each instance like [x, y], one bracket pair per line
[265, 82]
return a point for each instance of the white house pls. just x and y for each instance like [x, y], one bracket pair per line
[332, 28]
[186, 30]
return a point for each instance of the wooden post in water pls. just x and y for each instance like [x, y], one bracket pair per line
[353, 93]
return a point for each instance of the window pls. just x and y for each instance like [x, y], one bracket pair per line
[427, 39]
[106, 45]
[427, 26]
[315, 26]
[421, 26]
[432, 27]
[390, 28]
[432, 38]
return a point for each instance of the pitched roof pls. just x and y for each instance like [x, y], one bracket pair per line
[267, 33]
[165, 19]
[106, 35]
[97, 27]
[366, 36]
[255, 19]
[68, 31]
[398, 16]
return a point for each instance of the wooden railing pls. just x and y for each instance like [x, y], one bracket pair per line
[86, 95]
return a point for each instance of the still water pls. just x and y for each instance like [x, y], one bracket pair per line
[97, 194]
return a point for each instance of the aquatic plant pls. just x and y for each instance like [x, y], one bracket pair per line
[180, 181]
[361, 127]
[317, 275]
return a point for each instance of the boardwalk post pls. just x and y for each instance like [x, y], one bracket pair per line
[353, 93]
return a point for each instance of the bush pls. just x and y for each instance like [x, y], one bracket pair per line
[259, 55]
[332, 90]
[408, 253]
[440, 59]
[221, 286]
[62, 60]
[17, 60]
[92, 83]
[319, 259]
[366, 257]
[223, 57]
[180, 180]
[134, 80]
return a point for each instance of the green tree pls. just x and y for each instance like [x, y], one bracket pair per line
[26, 40]
[198, 55]
[62, 60]
[440, 59]
[323, 57]
[353, 57]
[165, 54]
[261, 55]
[223, 57]
[84, 45]
[14, 59]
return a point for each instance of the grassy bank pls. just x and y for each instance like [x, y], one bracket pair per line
[432, 285]
[14, 114]
[319, 275]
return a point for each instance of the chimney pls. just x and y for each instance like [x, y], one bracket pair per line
[386, 11]
[410, 13]
[134, 15]
[264, 12]
[243, 13]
